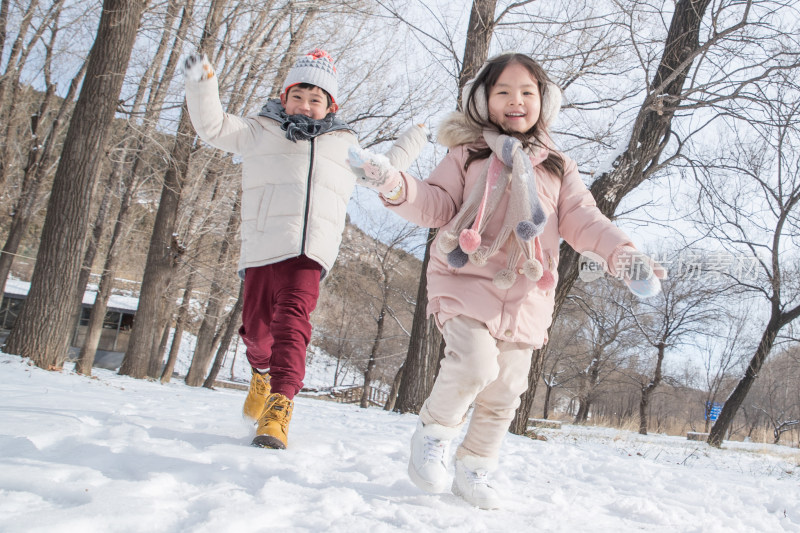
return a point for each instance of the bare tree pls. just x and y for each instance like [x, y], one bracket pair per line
[675, 88]
[163, 256]
[180, 326]
[775, 395]
[755, 212]
[565, 347]
[58, 262]
[125, 175]
[606, 336]
[231, 325]
[721, 354]
[39, 162]
[427, 346]
[216, 298]
[674, 318]
[388, 257]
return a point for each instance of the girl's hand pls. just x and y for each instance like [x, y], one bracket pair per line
[196, 67]
[640, 273]
[375, 172]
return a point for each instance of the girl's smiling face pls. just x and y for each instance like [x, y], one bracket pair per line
[514, 101]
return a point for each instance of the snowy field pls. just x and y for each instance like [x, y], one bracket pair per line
[115, 454]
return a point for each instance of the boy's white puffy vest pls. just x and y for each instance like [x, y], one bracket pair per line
[294, 195]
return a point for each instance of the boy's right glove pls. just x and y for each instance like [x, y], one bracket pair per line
[377, 172]
[196, 67]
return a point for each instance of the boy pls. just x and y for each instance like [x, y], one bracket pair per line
[296, 183]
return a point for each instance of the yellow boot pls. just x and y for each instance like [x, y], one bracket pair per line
[273, 426]
[256, 396]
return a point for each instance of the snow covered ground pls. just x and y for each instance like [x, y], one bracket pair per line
[116, 454]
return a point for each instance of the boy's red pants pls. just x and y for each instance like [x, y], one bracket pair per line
[278, 300]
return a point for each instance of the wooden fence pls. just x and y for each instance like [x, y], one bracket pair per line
[377, 397]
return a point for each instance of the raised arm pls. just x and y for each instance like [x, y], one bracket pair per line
[219, 129]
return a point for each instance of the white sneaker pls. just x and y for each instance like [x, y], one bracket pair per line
[427, 465]
[472, 484]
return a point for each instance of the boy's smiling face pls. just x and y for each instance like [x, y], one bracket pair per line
[312, 102]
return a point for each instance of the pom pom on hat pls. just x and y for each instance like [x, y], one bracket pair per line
[316, 68]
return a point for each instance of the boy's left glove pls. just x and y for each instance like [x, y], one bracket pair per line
[640, 273]
[377, 172]
[196, 67]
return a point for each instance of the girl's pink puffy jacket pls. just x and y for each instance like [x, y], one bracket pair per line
[524, 312]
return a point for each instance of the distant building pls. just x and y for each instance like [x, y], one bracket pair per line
[117, 323]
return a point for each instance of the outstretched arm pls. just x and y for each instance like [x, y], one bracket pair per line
[219, 129]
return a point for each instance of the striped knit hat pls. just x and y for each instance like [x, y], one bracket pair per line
[316, 68]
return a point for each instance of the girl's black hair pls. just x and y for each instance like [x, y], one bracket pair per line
[537, 135]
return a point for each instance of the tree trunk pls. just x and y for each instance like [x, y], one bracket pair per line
[644, 402]
[735, 400]
[89, 253]
[479, 34]
[58, 263]
[232, 324]
[651, 132]
[584, 404]
[415, 381]
[204, 347]
[649, 388]
[33, 176]
[547, 394]
[164, 250]
[392, 399]
[177, 337]
[205, 337]
[9, 84]
[94, 328]
[365, 391]
[426, 346]
[3, 24]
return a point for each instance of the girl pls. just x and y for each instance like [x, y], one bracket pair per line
[503, 197]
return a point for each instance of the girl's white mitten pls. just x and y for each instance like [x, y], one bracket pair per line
[639, 272]
[374, 170]
[196, 68]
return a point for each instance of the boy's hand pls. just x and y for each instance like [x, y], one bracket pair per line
[374, 170]
[640, 273]
[196, 67]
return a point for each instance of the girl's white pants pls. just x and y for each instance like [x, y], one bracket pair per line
[481, 370]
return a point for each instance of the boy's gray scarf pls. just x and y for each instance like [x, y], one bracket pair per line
[301, 127]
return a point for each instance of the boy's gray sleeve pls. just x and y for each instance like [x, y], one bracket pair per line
[219, 129]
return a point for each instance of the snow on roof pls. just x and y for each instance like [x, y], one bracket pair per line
[117, 302]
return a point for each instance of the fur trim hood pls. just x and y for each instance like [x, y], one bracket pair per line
[456, 129]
